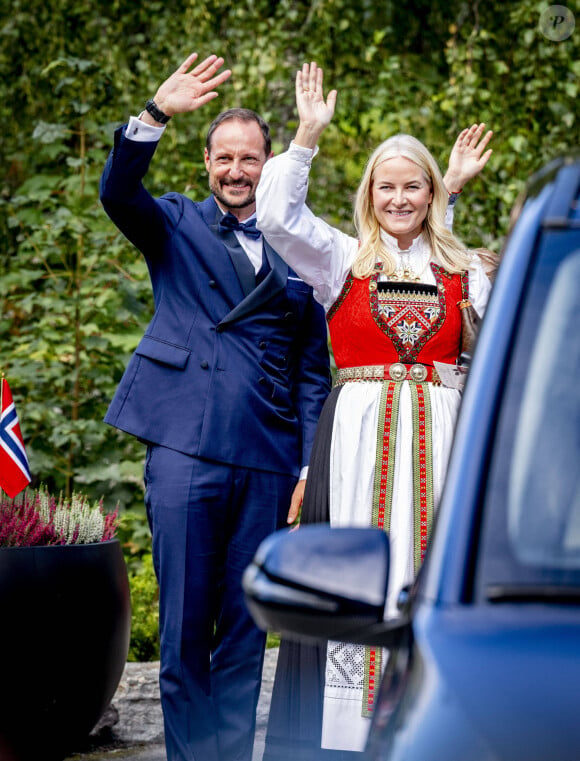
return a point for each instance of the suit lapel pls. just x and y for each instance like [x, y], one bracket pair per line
[238, 257]
[254, 296]
[272, 284]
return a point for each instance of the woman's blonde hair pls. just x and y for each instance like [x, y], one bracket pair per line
[447, 249]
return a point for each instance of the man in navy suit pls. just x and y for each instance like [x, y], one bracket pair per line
[225, 388]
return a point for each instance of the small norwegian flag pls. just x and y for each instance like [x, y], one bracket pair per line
[14, 470]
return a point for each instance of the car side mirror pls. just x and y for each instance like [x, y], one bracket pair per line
[320, 583]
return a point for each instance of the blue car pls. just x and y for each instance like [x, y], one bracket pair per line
[485, 655]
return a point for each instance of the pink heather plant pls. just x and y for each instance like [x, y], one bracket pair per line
[37, 518]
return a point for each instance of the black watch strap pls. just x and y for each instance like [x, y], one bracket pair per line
[156, 113]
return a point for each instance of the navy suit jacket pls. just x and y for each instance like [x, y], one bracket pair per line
[223, 372]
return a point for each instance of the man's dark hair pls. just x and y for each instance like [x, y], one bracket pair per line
[243, 115]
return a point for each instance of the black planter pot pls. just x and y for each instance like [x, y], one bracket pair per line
[65, 619]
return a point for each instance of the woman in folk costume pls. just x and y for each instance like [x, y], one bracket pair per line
[392, 302]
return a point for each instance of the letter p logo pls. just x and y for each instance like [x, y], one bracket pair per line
[557, 23]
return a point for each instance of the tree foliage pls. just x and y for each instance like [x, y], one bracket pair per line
[74, 294]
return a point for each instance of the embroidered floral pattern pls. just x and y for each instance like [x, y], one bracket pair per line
[342, 296]
[409, 320]
[432, 313]
[465, 285]
[409, 332]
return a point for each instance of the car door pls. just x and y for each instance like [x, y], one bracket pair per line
[491, 665]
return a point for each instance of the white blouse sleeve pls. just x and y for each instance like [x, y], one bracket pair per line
[479, 285]
[449, 216]
[320, 254]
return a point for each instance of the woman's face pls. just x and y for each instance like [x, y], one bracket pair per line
[401, 196]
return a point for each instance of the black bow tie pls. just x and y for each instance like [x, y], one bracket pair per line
[229, 222]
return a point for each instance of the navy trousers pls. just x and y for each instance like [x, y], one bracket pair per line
[207, 520]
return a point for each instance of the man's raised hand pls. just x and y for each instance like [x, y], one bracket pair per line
[187, 90]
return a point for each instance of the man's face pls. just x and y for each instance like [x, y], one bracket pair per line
[234, 163]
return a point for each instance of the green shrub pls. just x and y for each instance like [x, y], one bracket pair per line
[273, 640]
[144, 644]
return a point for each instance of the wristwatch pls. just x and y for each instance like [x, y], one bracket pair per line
[156, 113]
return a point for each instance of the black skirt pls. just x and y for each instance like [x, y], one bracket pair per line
[295, 720]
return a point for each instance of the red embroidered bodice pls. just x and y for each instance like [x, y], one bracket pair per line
[372, 324]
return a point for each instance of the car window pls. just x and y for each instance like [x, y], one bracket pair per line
[543, 501]
[530, 540]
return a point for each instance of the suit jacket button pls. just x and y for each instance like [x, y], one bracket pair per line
[219, 329]
[212, 284]
[262, 345]
[262, 380]
[204, 364]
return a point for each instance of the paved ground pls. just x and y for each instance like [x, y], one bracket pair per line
[157, 752]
